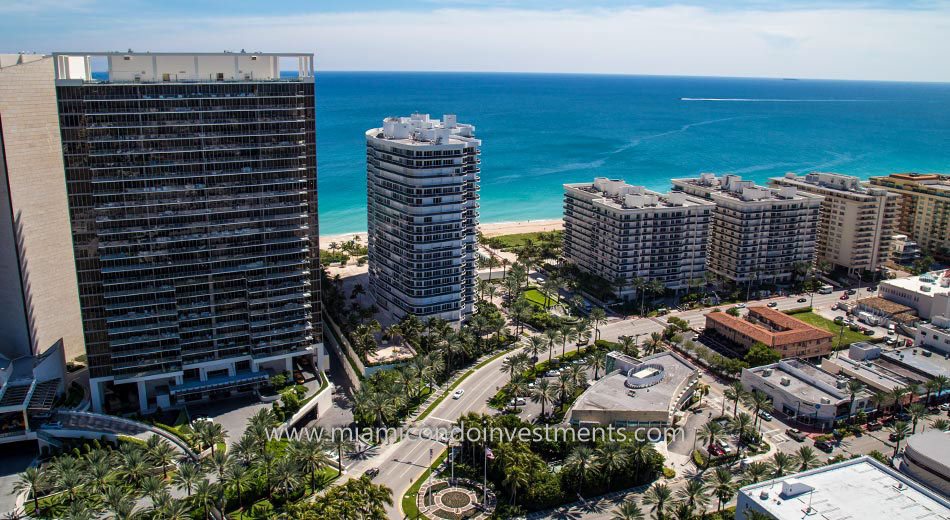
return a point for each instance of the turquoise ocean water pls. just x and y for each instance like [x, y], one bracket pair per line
[540, 131]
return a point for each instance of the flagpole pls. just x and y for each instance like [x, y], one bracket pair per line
[485, 476]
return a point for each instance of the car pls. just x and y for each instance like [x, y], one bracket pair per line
[372, 472]
[796, 434]
[903, 416]
[839, 320]
[202, 418]
[766, 416]
[715, 450]
[872, 288]
[844, 297]
[517, 401]
[552, 373]
[458, 394]
[825, 446]
[802, 300]
[894, 437]
[724, 446]
[890, 341]
[298, 377]
[875, 426]
[944, 407]
[868, 332]
[851, 291]
[773, 304]
[740, 306]
[890, 332]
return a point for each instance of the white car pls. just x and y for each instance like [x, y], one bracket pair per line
[552, 373]
[519, 401]
[740, 306]
[458, 393]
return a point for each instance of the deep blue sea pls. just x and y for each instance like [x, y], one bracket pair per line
[539, 131]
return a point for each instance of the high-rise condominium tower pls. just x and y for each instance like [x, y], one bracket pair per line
[856, 222]
[192, 189]
[625, 233]
[422, 197]
[924, 213]
[757, 235]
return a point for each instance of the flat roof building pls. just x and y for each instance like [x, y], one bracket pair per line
[804, 392]
[758, 235]
[786, 335]
[636, 393]
[422, 211]
[192, 189]
[856, 222]
[857, 488]
[622, 232]
[924, 208]
[928, 294]
[859, 363]
[935, 335]
[29, 386]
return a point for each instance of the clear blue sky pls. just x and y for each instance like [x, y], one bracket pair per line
[873, 39]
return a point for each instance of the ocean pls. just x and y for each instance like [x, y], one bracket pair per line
[539, 131]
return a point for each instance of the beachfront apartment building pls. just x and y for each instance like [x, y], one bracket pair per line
[757, 235]
[856, 223]
[422, 213]
[924, 209]
[622, 233]
[192, 193]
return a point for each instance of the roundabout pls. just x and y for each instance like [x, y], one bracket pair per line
[457, 499]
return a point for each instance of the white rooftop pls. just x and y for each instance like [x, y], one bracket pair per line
[421, 130]
[936, 282]
[859, 489]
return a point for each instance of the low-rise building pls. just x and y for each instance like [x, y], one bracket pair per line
[859, 363]
[758, 235]
[887, 310]
[29, 386]
[928, 294]
[804, 392]
[927, 459]
[786, 335]
[904, 251]
[857, 488]
[856, 222]
[637, 393]
[924, 208]
[622, 232]
[934, 335]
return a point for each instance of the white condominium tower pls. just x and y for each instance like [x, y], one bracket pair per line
[618, 231]
[757, 235]
[422, 199]
[857, 221]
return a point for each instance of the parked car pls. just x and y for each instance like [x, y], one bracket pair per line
[796, 434]
[868, 332]
[766, 416]
[740, 306]
[724, 446]
[875, 426]
[802, 300]
[945, 407]
[552, 373]
[458, 394]
[825, 446]
[773, 304]
[715, 450]
[839, 320]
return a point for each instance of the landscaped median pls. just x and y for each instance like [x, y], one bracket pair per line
[458, 381]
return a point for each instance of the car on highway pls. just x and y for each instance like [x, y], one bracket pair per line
[372, 472]
[766, 416]
[458, 394]
[802, 300]
[773, 304]
[796, 434]
[825, 446]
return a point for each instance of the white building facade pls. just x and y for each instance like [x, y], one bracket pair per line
[422, 209]
[622, 232]
[757, 235]
[928, 294]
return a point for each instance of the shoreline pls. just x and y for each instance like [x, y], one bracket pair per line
[490, 229]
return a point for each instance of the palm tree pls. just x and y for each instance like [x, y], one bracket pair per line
[917, 412]
[535, 347]
[512, 365]
[854, 388]
[187, 477]
[286, 475]
[598, 361]
[628, 510]
[759, 401]
[516, 478]
[597, 316]
[897, 396]
[341, 440]
[710, 432]
[239, 479]
[204, 496]
[568, 333]
[581, 463]
[552, 336]
[311, 454]
[563, 387]
[741, 426]
[735, 393]
[781, 464]
[177, 510]
[69, 475]
[900, 430]
[806, 458]
[628, 346]
[880, 399]
[118, 501]
[31, 481]
[755, 472]
[99, 470]
[611, 458]
[543, 392]
[658, 496]
[694, 494]
[722, 486]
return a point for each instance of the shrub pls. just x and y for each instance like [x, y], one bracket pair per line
[698, 459]
[668, 472]
[263, 510]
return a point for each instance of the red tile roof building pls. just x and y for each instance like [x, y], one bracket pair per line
[788, 336]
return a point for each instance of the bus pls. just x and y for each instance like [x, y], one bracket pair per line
[825, 289]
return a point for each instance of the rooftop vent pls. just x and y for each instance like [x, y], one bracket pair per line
[786, 381]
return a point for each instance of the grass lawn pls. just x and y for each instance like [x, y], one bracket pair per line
[409, 507]
[516, 240]
[537, 297]
[847, 338]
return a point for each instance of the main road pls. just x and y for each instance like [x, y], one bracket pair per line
[402, 461]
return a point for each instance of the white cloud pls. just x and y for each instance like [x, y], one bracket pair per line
[842, 43]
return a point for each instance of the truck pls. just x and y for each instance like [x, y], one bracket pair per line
[825, 289]
[869, 318]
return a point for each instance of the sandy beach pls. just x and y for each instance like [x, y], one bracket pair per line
[490, 230]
